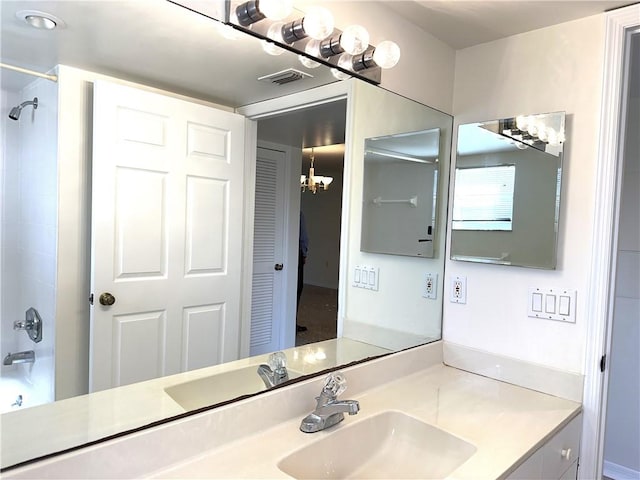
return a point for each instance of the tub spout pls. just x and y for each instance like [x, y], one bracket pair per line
[28, 356]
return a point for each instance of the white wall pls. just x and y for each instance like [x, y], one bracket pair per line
[623, 405]
[552, 69]
[31, 238]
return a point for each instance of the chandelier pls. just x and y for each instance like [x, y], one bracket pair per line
[314, 182]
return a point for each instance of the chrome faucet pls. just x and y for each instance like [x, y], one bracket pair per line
[28, 356]
[329, 410]
[275, 372]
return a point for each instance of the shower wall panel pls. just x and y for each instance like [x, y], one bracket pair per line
[29, 242]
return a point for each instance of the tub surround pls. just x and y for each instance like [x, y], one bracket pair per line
[506, 423]
[87, 418]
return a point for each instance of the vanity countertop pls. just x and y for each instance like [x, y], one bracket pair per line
[505, 422]
[247, 439]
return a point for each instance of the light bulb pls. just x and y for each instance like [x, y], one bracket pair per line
[533, 129]
[521, 122]
[274, 33]
[354, 39]
[313, 49]
[345, 61]
[542, 134]
[386, 54]
[552, 137]
[318, 23]
[340, 75]
[275, 9]
[307, 62]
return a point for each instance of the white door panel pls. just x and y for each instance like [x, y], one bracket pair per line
[167, 222]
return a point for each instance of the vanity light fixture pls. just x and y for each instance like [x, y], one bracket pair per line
[314, 182]
[314, 36]
[544, 132]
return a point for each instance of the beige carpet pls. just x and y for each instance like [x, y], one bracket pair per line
[318, 312]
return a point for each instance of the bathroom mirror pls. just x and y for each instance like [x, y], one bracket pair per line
[400, 193]
[190, 65]
[506, 198]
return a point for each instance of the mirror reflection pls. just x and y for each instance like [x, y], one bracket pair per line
[129, 358]
[507, 186]
[400, 193]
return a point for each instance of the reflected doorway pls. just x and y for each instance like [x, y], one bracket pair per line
[323, 128]
[322, 211]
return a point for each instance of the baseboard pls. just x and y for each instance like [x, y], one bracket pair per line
[618, 472]
[515, 371]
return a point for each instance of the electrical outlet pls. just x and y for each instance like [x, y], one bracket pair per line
[458, 289]
[429, 287]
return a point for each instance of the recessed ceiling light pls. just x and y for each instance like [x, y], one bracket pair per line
[40, 20]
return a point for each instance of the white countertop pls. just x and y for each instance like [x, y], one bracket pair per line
[503, 421]
[36, 431]
[247, 439]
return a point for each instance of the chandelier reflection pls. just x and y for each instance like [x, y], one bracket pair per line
[313, 182]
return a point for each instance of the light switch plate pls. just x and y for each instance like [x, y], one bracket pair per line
[366, 277]
[552, 304]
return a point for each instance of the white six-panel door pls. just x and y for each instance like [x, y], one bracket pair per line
[167, 221]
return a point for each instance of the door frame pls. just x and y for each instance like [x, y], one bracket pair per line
[601, 291]
[270, 108]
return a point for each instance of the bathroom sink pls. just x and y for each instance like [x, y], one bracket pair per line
[219, 388]
[387, 445]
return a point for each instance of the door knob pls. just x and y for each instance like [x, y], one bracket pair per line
[107, 299]
[279, 266]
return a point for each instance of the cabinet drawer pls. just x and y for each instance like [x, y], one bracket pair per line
[562, 450]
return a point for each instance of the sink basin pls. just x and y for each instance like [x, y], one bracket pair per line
[388, 445]
[219, 388]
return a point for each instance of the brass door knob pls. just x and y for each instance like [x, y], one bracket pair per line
[107, 299]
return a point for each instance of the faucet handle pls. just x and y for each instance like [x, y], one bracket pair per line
[277, 361]
[334, 384]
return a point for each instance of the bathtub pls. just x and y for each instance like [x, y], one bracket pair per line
[18, 392]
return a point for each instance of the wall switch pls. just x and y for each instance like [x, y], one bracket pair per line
[366, 277]
[458, 289]
[552, 304]
[429, 286]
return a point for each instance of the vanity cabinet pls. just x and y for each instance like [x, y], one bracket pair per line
[558, 458]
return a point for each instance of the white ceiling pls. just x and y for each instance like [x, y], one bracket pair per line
[464, 23]
[153, 42]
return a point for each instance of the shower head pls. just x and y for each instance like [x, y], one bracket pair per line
[15, 112]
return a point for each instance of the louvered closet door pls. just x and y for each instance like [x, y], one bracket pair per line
[268, 253]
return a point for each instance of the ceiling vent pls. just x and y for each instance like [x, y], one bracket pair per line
[285, 76]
